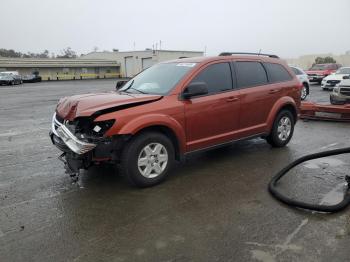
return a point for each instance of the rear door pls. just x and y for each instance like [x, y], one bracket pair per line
[257, 96]
[213, 118]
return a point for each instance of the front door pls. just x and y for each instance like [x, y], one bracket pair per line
[213, 118]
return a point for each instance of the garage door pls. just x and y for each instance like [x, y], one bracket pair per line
[129, 66]
[147, 62]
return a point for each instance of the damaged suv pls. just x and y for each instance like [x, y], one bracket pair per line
[175, 108]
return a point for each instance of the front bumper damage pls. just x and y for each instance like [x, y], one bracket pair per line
[78, 154]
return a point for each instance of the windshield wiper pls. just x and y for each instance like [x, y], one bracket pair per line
[130, 87]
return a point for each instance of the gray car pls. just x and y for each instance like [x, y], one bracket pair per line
[303, 78]
[341, 92]
[6, 79]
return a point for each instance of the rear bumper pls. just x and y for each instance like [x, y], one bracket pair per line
[315, 78]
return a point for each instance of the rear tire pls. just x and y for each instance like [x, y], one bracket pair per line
[282, 129]
[146, 159]
[304, 91]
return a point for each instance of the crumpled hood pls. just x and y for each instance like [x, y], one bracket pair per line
[85, 105]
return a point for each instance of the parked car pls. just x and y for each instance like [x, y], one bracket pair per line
[333, 79]
[319, 71]
[341, 92]
[31, 78]
[17, 79]
[6, 79]
[303, 78]
[176, 108]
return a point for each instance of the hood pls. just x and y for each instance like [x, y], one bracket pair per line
[335, 77]
[98, 103]
[345, 82]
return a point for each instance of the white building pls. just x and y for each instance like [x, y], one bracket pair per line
[132, 62]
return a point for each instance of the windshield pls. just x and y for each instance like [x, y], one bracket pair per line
[158, 79]
[319, 67]
[344, 71]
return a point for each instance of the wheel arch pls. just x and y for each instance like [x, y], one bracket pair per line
[159, 123]
[285, 103]
[168, 132]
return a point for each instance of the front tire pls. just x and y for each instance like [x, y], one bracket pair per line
[146, 159]
[282, 129]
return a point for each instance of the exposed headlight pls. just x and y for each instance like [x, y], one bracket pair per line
[101, 127]
[336, 89]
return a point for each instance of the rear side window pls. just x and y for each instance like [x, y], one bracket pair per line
[218, 78]
[250, 74]
[277, 73]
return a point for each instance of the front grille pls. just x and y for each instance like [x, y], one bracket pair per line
[345, 91]
[311, 74]
[333, 82]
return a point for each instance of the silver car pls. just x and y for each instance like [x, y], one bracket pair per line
[303, 78]
[341, 92]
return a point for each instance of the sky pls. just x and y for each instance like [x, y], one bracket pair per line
[285, 28]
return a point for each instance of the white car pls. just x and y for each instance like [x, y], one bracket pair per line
[303, 78]
[329, 82]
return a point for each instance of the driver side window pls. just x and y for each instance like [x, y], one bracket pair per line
[218, 78]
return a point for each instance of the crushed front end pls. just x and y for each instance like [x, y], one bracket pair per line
[83, 143]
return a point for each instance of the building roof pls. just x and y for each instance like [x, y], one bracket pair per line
[56, 62]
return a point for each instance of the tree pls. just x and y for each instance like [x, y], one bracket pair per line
[9, 53]
[44, 54]
[67, 53]
[324, 60]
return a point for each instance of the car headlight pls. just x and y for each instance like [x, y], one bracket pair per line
[336, 89]
[101, 127]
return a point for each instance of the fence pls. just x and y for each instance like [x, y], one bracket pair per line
[55, 77]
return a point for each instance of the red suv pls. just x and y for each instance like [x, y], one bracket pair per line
[176, 108]
[319, 71]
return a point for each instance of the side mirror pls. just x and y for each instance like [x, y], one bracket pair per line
[195, 89]
[346, 77]
[120, 84]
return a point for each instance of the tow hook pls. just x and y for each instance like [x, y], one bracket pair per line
[68, 170]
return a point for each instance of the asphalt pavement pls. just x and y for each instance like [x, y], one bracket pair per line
[213, 207]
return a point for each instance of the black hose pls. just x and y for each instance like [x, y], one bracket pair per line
[320, 208]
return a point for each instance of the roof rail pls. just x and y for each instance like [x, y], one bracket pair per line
[243, 53]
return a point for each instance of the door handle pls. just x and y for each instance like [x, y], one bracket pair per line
[232, 99]
[273, 91]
